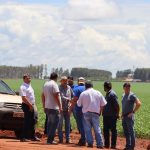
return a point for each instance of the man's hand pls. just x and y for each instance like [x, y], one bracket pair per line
[121, 116]
[44, 109]
[69, 111]
[130, 114]
[30, 107]
[60, 110]
[118, 116]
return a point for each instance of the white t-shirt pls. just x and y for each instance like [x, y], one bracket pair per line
[50, 89]
[27, 90]
[91, 100]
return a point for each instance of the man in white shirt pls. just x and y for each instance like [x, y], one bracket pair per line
[92, 102]
[29, 108]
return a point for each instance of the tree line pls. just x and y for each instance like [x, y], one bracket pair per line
[142, 73]
[41, 71]
[17, 72]
[93, 74]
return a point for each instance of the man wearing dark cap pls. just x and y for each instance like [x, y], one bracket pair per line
[110, 115]
[92, 102]
[130, 104]
[29, 109]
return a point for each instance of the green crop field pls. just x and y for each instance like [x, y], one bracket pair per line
[142, 90]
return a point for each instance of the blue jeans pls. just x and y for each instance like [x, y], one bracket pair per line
[75, 117]
[80, 125]
[128, 127]
[92, 120]
[53, 119]
[66, 117]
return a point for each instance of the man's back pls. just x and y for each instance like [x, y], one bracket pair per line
[50, 89]
[92, 100]
[112, 106]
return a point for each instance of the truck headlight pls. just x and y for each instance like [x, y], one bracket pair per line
[1, 104]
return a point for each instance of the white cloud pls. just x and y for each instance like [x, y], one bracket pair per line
[90, 9]
[35, 34]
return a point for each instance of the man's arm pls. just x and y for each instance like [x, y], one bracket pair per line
[26, 101]
[101, 110]
[58, 101]
[102, 104]
[116, 104]
[137, 106]
[73, 103]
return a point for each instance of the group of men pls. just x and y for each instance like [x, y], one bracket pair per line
[87, 104]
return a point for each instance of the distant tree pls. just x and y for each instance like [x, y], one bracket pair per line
[93, 74]
[60, 71]
[123, 74]
[66, 72]
[45, 71]
[142, 73]
[17, 72]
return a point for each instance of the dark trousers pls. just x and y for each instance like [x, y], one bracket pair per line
[109, 124]
[30, 119]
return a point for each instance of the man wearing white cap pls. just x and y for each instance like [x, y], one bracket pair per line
[78, 110]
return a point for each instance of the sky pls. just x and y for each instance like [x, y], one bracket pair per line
[110, 35]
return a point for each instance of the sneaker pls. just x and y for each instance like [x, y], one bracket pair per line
[90, 145]
[100, 147]
[68, 141]
[113, 147]
[35, 139]
[81, 143]
[128, 148]
[60, 141]
[52, 143]
[24, 140]
[106, 146]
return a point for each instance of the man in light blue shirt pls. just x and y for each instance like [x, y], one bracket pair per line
[130, 104]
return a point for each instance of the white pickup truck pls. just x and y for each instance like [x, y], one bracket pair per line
[11, 113]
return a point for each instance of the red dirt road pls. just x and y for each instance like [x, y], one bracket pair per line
[9, 142]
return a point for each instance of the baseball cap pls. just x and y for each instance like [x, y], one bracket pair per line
[81, 80]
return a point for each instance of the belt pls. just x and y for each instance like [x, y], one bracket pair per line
[124, 115]
[94, 113]
[27, 104]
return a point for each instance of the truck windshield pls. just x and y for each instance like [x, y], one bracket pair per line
[5, 89]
